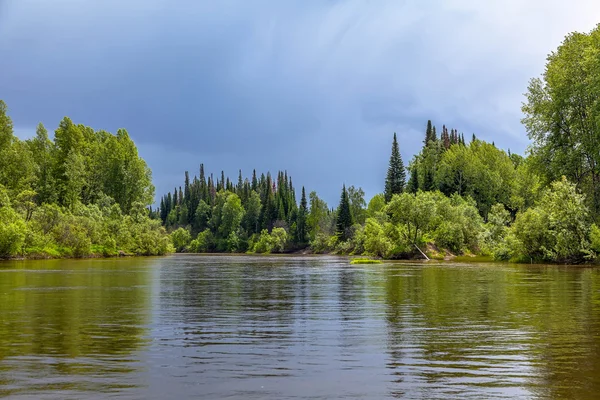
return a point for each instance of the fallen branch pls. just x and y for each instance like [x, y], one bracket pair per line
[424, 255]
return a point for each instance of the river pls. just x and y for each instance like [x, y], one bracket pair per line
[292, 327]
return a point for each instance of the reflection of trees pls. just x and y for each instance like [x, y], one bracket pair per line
[484, 330]
[68, 314]
[223, 299]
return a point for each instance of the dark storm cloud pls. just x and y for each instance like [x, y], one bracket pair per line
[314, 87]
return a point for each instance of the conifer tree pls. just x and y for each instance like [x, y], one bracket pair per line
[163, 210]
[240, 184]
[186, 187]
[344, 217]
[428, 133]
[302, 228]
[203, 185]
[413, 181]
[254, 181]
[395, 180]
[445, 138]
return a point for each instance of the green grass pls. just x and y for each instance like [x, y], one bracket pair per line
[365, 261]
[475, 259]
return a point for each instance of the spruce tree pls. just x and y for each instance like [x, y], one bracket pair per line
[413, 181]
[186, 186]
[395, 180]
[302, 229]
[344, 217]
[254, 181]
[163, 210]
[428, 133]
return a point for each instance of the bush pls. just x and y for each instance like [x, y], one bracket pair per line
[595, 238]
[181, 238]
[557, 229]
[264, 243]
[278, 239]
[12, 232]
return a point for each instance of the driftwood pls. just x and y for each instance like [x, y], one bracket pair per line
[424, 255]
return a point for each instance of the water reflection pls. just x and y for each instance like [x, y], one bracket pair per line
[71, 326]
[297, 327]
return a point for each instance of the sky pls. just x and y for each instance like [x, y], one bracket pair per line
[316, 88]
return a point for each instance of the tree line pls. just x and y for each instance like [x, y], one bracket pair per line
[82, 193]
[460, 197]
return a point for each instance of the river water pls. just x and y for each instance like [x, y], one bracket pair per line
[240, 327]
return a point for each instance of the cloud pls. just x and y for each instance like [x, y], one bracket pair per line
[314, 87]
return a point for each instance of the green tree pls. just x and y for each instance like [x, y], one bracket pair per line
[301, 220]
[181, 238]
[232, 215]
[562, 115]
[252, 215]
[357, 204]
[344, 217]
[557, 229]
[396, 175]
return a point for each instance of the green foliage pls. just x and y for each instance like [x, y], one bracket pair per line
[595, 238]
[356, 196]
[181, 238]
[395, 180]
[376, 242]
[12, 232]
[204, 242]
[273, 242]
[323, 243]
[376, 207]
[57, 198]
[365, 261]
[557, 229]
[344, 218]
[562, 115]
[278, 239]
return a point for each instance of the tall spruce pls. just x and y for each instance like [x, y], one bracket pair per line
[344, 217]
[428, 132]
[413, 181]
[395, 180]
[302, 228]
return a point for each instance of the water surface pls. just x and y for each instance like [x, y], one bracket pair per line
[191, 327]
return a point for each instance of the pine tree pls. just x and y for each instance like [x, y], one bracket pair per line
[163, 210]
[413, 181]
[344, 217]
[240, 184]
[254, 181]
[428, 133]
[445, 137]
[301, 226]
[186, 186]
[395, 180]
[203, 185]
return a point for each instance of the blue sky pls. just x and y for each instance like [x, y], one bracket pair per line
[314, 87]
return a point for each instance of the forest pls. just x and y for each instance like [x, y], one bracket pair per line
[88, 193]
[462, 197]
[84, 193]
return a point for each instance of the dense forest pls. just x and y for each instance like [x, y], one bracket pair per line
[84, 193]
[461, 197]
